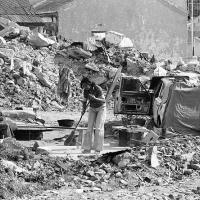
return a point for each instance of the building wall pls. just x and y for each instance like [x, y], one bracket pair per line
[152, 25]
[181, 3]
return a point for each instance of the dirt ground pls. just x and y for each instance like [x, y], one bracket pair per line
[183, 189]
[52, 117]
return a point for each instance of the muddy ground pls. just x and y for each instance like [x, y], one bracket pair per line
[186, 188]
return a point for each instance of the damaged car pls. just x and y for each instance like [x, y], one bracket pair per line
[170, 101]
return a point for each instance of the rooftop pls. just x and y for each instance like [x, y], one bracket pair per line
[19, 11]
[49, 5]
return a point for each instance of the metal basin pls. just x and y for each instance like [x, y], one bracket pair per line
[66, 122]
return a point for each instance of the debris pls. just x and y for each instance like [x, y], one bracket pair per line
[12, 166]
[126, 43]
[92, 66]
[149, 136]
[187, 172]
[114, 38]
[2, 41]
[32, 81]
[96, 189]
[188, 157]
[197, 191]
[41, 78]
[9, 27]
[122, 160]
[78, 53]
[159, 71]
[153, 157]
[104, 186]
[38, 144]
[38, 40]
[118, 175]
[79, 191]
[123, 182]
[90, 173]
[195, 166]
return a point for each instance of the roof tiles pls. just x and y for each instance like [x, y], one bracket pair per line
[18, 11]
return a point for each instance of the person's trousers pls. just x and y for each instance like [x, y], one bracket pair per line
[94, 137]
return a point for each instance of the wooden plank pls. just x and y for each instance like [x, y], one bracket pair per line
[47, 128]
[119, 127]
[74, 152]
[34, 129]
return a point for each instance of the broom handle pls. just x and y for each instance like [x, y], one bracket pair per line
[81, 116]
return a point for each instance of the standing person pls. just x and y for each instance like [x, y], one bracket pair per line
[96, 117]
[6, 127]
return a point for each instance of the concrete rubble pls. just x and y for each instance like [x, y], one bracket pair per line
[162, 163]
[31, 66]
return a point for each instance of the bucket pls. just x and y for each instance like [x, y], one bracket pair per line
[66, 122]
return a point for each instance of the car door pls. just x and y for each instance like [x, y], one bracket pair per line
[164, 96]
[156, 103]
[161, 101]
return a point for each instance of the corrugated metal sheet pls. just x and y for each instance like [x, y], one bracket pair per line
[19, 11]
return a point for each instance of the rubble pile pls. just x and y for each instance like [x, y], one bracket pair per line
[100, 64]
[28, 74]
[99, 60]
[23, 172]
[162, 163]
[30, 64]
[30, 79]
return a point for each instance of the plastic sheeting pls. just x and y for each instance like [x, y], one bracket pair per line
[183, 111]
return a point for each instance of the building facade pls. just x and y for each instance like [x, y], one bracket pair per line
[196, 8]
[155, 26]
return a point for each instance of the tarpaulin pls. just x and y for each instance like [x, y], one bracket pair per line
[183, 111]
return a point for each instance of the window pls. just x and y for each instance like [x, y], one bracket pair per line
[196, 6]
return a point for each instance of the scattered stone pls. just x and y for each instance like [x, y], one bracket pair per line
[187, 172]
[100, 172]
[79, 191]
[153, 157]
[195, 166]
[104, 186]
[96, 189]
[123, 182]
[118, 175]
[122, 160]
[90, 173]
[38, 144]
